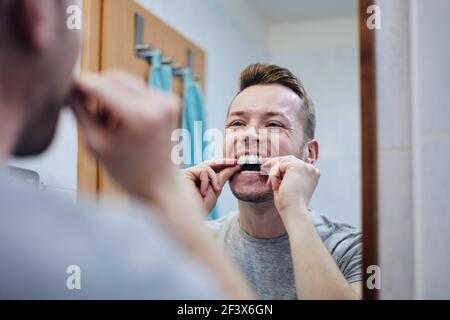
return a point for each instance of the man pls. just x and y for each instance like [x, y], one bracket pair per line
[285, 250]
[50, 248]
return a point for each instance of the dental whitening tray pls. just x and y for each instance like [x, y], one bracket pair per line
[252, 164]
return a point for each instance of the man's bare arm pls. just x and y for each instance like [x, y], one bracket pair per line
[317, 275]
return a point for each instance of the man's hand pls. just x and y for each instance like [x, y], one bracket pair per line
[130, 133]
[293, 182]
[207, 179]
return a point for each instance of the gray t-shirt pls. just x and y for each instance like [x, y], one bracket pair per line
[122, 252]
[267, 263]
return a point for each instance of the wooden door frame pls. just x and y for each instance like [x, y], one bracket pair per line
[369, 154]
[88, 167]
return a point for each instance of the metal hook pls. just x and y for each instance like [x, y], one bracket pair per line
[147, 52]
[139, 30]
[167, 60]
[142, 50]
[191, 59]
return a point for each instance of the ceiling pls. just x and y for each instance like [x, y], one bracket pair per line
[279, 11]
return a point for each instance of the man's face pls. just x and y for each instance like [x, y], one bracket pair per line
[49, 79]
[265, 121]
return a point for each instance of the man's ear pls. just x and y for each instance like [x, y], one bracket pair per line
[312, 149]
[34, 24]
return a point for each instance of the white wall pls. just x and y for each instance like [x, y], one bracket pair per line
[431, 133]
[413, 69]
[395, 151]
[324, 54]
[232, 35]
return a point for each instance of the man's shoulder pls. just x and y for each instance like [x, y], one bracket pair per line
[222, 224]
[123, 242]
[27, 206]
[338, 237]
[344, 242]
[32, 218]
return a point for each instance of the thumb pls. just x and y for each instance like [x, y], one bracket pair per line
[226, 174]
[93, 132]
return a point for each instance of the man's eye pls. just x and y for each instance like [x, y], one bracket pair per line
[274, 124]
[237, 124]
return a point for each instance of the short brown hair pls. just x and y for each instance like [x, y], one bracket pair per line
[259, 73]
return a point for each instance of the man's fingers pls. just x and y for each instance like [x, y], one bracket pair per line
[112, 97]
[222, 163]
[282, 162]
[131, 106]
[226, 174]
[270, 162]
[214, 179]
[93, 132]
[127, 81]
[273, 183]
[275, 175]
[204, 182]
[206, 175]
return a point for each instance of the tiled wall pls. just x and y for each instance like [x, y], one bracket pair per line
[324, 55]
[395, 150]
[431, 131]
[413, 79]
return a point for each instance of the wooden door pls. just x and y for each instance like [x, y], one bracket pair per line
[117, 51]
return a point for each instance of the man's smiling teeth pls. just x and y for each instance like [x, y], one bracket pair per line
[250, 159]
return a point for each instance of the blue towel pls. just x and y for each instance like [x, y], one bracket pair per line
[194, 121]
[160, 76]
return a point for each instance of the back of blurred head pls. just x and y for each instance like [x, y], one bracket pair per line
[37, 56]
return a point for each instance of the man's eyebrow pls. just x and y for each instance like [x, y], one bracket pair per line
[266, 114]
[274, 113]
[277, 114]
[237, 113]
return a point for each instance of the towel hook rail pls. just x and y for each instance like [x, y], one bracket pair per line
[146, 51]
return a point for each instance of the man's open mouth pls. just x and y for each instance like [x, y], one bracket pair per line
[251, 167]
[250, 163]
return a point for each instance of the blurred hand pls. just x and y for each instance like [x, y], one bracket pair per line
[131, 136]
[207, 179]
[293, 182]
[130, 133]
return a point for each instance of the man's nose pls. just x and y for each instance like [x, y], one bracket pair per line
[249, 137]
